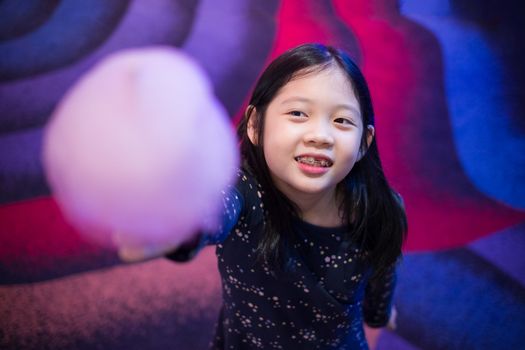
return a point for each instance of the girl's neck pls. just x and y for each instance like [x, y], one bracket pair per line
[318, 209]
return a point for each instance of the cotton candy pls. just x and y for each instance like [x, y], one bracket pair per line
[140, 146]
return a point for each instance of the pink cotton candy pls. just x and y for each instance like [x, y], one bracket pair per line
[140, 146]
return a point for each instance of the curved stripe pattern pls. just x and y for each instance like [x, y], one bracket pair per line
[490, 147]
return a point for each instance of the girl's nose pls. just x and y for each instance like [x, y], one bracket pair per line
[319, 134]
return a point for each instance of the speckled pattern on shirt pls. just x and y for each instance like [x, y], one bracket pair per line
[320, 302]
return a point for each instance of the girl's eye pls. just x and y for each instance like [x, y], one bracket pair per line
[344, 121]
[296, 114]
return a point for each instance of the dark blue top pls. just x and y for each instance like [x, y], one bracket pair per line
[319, 302]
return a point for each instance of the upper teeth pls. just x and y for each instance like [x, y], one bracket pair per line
[314, 161]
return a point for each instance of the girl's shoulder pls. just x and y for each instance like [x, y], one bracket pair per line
[250, 191]
[246, 182]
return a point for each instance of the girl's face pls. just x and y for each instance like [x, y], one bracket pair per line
[312, 133]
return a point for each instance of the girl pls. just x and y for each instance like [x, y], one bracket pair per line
[311, 231]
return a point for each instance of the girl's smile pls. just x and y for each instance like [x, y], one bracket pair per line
[314, 164]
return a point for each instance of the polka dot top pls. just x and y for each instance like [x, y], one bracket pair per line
[319, 302]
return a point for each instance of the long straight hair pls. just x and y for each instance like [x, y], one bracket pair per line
[370, 207]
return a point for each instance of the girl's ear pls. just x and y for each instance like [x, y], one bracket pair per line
[250, 114]
[370, 132]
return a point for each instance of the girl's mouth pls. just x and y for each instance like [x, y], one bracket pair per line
[314, 161]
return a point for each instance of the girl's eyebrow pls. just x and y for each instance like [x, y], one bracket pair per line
[296, 99]
[351, 108]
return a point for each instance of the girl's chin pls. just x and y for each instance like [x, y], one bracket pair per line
[307, 189]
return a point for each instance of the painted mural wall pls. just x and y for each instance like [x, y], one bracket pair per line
[447, 81]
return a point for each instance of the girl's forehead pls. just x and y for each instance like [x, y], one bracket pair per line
[332, 73]
[329, 82]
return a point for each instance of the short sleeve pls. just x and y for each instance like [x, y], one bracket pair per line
[378, 300]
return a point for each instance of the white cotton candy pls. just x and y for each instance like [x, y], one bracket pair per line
[140, 146]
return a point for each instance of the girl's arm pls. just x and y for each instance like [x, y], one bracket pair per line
[378, 310]
[232, 203]
[377, 306]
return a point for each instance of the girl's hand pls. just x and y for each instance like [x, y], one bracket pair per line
[137, 254]
[131, 252]
[372, 334]
[392, 322]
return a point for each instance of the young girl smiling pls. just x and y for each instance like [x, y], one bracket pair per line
[311, 232]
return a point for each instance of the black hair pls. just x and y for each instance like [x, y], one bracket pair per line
[370, 207]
